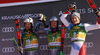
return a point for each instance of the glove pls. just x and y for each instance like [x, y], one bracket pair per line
[45, 25]
[41, 17]
[20, 49]
[72, 7]
[96, 11]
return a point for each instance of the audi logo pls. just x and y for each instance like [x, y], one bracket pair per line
[8, 29]
[89, 44]
[44, 47]
[8, 49]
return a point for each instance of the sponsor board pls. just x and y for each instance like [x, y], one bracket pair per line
[81, 11]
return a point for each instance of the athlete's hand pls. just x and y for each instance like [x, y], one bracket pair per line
[19, 48]
[98, 13]
[72, 7]
[41, 17]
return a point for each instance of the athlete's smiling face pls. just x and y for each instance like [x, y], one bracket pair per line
[53, 24]
[75, 19]
[27, 25]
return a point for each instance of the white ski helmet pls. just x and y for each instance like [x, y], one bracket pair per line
[76, 14]
[30, 20]
[54, 18]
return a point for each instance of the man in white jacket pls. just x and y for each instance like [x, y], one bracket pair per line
[78, 30]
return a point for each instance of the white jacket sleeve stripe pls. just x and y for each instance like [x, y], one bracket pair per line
[64, 21]
[89, 27]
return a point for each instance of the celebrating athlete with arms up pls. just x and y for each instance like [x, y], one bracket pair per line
[77, 30]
